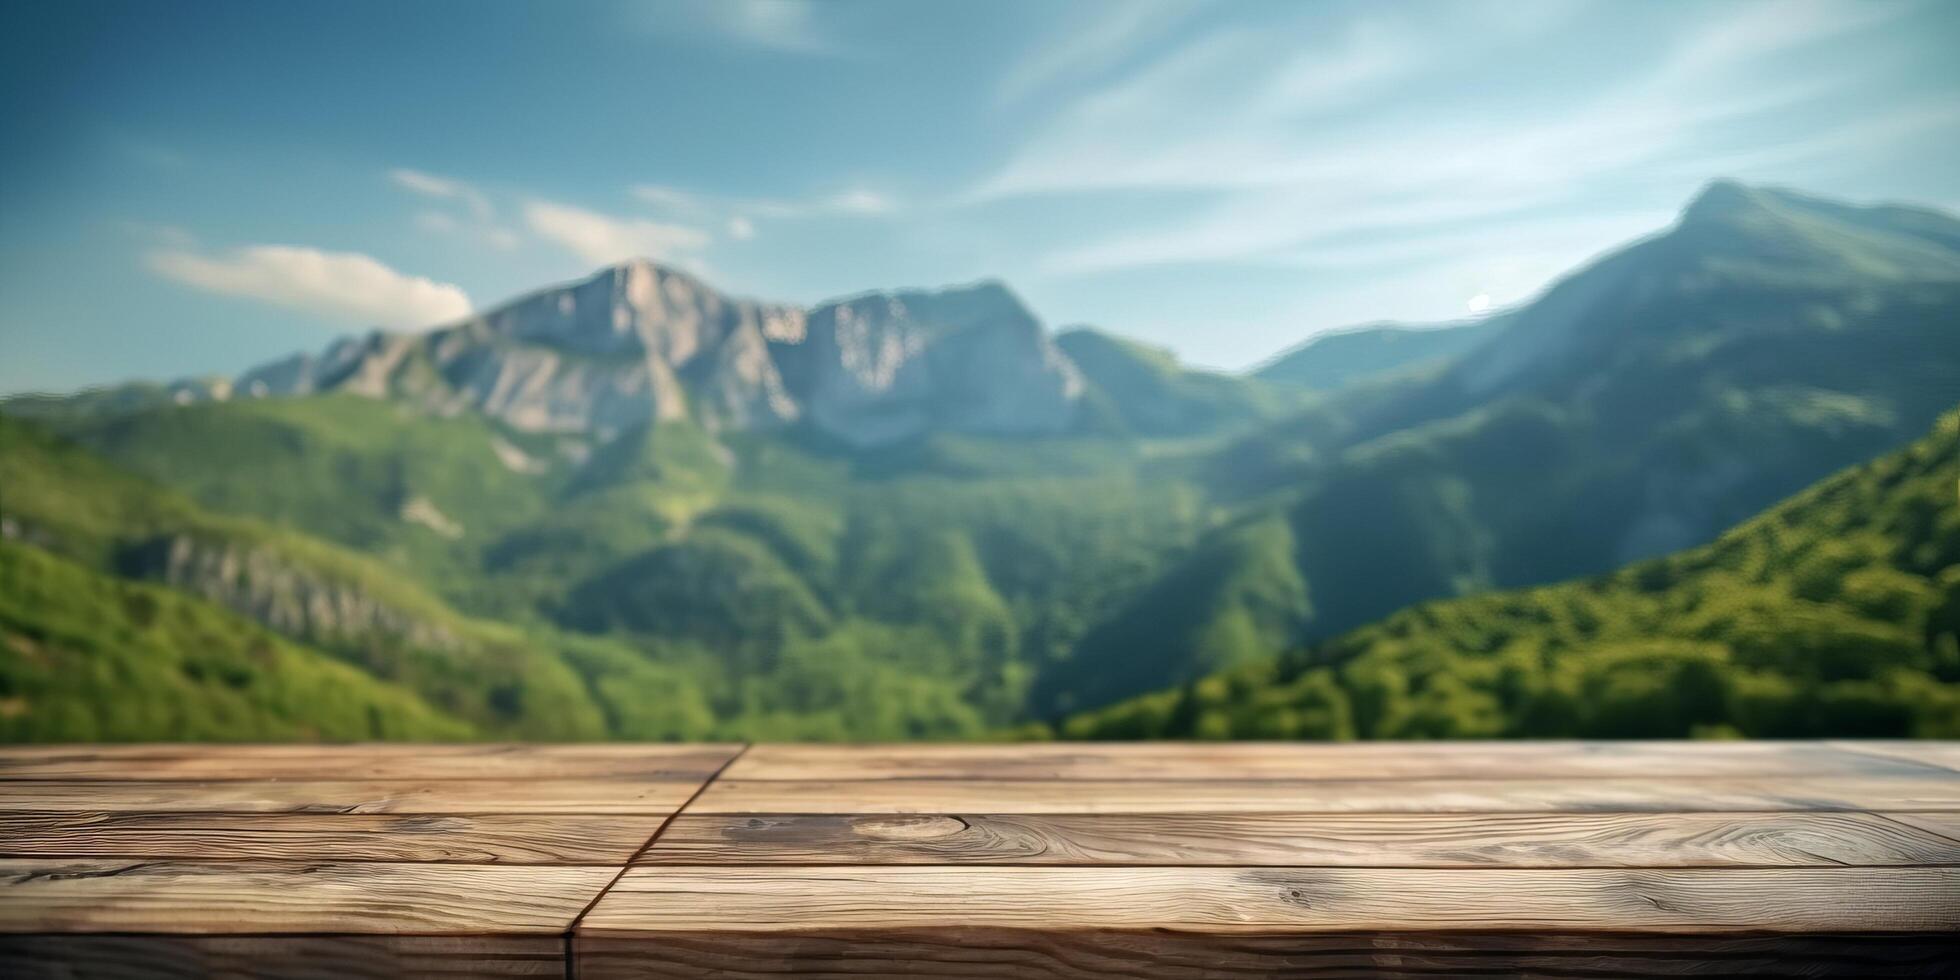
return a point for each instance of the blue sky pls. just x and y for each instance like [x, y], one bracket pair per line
[193, 188]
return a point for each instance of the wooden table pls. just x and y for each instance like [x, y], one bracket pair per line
[1042, 860]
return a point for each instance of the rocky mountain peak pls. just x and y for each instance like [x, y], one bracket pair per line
[639, 342]
[882, 366]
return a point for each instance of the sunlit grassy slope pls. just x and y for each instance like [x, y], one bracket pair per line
[1835, 613]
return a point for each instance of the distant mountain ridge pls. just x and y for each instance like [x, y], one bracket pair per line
[634, 507]
[639, 343]
[1638, 406]
[1834, 613]
[1329, 360]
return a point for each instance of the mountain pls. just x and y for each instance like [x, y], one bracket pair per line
[632, 507]
[1330, 360]
[96, 658]
[140, 581]
[638, 343]
[1639, 406]
[1145, 391]
[1835, 613]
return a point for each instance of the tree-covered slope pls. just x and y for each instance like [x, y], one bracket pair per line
[686, 568]
[665, 584]
[86, 657]
[1342, 357]
[104, 529]
[1640, 406]
[1143, 390]
[1835, 613]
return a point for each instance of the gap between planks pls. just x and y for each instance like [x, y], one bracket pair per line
[571, 961]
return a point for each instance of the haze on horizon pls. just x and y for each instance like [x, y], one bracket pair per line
[192, 190]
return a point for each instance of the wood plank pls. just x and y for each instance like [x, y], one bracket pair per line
[1935, 792]
[1327, 840]
[1944, 825]
[63, 957]
[1101, 954]
[1301, 761]
[1944, 754]
[86, 895]
[476, 839]
[653, 900]
[365, 761]
[617, 796]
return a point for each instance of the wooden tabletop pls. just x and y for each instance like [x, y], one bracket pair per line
[1051, 860]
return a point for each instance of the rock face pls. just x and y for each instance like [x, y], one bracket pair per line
[638, 343]
[264, 586]
[884, 366]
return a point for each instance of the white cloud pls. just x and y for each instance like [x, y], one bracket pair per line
[775, 25]
[444, 223]
[857, 201]
[1289, 166]
[739, 214]
[479, 224]
[1757, 29]
[446, 188]
[338, 285]
[851, 200]
[1086, 45]
[601, 239]
[674, 200]
[1225, 109]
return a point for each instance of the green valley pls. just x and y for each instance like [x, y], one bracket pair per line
[632, 507]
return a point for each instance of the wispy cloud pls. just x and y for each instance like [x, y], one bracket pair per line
[346, 286]
[1227, 108]
[602, 239]
[856, 200]
[790, 26]
[478, 221]
[1090, 42]
[1758, 29]
[1298, 161]
[444, 188]
[444, 223]
[739, 214]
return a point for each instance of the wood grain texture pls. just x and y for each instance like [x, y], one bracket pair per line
[1944, 754]
[1054, 860]
[690, 763]
[1308, 761]
[652, 900]
[1944, 825]
[614, 796]
[473, 839]
[1327, 840]
[319, 957]
[51, 896]
[1103, 954]
[1915, 792]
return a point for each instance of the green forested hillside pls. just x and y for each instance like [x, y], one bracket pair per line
[1343, 357]
[1835, 613]
[664, 585]
[87, 657]
[683, 576]
[1143, 390]
[1640, 406]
